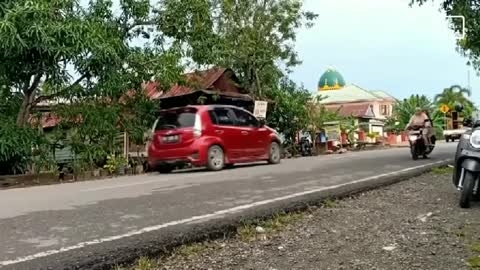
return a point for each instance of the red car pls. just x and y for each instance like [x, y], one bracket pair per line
[212, 136]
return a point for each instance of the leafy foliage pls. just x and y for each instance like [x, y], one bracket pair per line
[319, 114]
[349, 126]
[290, 111]
[251, 37]
[405, 109]
[46, 43]
[81, 55]
[115, 162]
[455, 95]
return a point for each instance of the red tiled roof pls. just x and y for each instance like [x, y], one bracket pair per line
[357, 110]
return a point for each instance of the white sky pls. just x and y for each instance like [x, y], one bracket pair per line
[382, 45]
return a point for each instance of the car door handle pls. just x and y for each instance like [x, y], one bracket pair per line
[219, 131]
[244, 132]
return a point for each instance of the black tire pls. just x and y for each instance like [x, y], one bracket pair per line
[274, 153]
[216, 158]
[425, 156]
[414, 154]
[467, 192]
[453, 139]
[165, 169]
[447, 139]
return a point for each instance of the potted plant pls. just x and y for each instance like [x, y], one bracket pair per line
[116, 164]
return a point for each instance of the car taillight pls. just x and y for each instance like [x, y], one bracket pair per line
[197, 128]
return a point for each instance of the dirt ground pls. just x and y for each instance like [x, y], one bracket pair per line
[416, 224]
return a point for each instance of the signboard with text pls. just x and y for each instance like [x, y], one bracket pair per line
[260, 109]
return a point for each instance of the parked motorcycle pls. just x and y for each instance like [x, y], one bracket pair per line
[306, 146]
[467, 166]
[418, 145]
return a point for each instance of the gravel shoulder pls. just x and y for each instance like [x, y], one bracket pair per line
[415, 224]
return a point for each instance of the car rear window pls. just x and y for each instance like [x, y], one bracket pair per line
[173, 119]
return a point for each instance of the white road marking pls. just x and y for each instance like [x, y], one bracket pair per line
[207, 216]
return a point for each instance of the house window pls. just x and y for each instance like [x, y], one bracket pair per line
[384, 110]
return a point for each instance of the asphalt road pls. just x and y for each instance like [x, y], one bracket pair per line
[39, 222]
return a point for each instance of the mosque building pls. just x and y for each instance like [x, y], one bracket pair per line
[370, 108]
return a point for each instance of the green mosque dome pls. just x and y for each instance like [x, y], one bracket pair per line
[331, 80]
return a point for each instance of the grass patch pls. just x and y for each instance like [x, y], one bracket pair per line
[442, 170]
[474, 262]
[460, 234]
[277, 223]
[476, 248]
[329, 203]
[143, 263]
[247, 232]
[192, 249]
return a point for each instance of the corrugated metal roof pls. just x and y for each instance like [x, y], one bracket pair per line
[349, 93]
[382, 94]
[357, 110]
[195, 80]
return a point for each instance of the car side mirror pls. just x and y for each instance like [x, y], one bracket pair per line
[261, 123]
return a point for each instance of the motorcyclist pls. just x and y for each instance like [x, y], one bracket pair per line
[421, 119]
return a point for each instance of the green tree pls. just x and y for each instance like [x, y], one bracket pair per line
[455, 95]
[403, 110]
[288, 112]
[58, 48]
[251, 37]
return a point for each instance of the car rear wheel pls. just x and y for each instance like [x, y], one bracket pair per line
[274, 155]
[216, 158]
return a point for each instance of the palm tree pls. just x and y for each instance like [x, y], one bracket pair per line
[454, 95]
[403, 110]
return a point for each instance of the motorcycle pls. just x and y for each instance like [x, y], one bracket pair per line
[418, 146]
[467, 166]
[306, 146]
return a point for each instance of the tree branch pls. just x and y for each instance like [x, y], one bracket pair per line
[31, 88]
[59, 93]
[140, 23]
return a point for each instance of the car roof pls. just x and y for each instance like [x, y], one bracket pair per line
[201, 107]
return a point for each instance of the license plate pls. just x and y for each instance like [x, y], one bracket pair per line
[171, 139]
